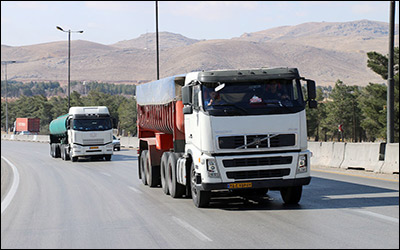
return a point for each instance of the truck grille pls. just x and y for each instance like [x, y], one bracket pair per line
[240, 175]
[263, 161]
[256, 141]
[93, 141]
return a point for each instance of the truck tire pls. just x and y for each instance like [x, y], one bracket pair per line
[52, 150]
[57, 150]
[107, 157]
[291, 195]
[176, 190]
[163, 170]
[143, 163]
[74, 158]
[200, 198]
[152, 173]
[66, 154]
[62, 152]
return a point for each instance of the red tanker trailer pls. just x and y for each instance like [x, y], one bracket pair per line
[160, 125]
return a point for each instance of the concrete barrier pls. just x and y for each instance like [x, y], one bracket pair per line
[129, 142]
[366, 156]
[327, 154]
[362, 156]
[391, 163]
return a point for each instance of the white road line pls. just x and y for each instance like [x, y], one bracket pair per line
[191, 229]
[14, 186]
[388, 218]
[106, 174]
[135, 190]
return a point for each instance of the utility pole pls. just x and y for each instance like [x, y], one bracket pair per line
[5, 63]
[390, 81]
[158, 60]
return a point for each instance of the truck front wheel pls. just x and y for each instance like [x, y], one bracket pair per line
[200, 198]
[291, 195]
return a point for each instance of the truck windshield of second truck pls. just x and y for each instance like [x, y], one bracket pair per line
[92, 124]
[253, 98]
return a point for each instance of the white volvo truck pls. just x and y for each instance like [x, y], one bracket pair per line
[241, 131]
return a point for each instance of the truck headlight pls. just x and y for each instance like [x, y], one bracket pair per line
[212, 169]
[302, 164]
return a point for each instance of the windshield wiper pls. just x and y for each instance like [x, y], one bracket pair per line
[231, 105]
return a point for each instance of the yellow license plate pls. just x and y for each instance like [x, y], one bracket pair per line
[94, 147]
[240, 185]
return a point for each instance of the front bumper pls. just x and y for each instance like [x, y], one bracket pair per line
[275, 183]
[92, 150]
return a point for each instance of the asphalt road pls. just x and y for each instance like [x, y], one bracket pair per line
[99, 204]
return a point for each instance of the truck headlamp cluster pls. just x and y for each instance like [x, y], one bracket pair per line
[302, 164]
[212, 169]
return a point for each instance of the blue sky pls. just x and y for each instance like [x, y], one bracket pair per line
[34, 22]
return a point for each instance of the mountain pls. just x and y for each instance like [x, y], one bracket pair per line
[148, 41]
[323, 51]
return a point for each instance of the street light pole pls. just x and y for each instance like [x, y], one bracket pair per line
[69, 59]
[158, 57]
[5, 63]
[390, 80]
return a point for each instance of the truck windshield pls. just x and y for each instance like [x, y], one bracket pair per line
[279, 96]
[92, 124]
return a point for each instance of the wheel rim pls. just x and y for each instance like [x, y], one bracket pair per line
[193, 182]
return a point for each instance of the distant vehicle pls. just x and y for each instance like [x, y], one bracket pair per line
[25, 133]
[31, 125]
[116, 143]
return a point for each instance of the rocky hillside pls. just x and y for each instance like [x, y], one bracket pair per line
[322, 51]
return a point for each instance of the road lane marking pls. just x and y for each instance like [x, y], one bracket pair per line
[191, 229]
[135, 190]
[14, 186]
[388, 218]
[106, 174]
[366, 195]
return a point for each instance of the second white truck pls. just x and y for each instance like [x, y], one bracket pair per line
[83, 132]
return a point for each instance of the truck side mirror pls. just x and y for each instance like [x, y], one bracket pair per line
[187, 110]
[114, 122]
[311, 90]
[312, 104]
[187, 95]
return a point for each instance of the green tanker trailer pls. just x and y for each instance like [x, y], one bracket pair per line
[83, 132]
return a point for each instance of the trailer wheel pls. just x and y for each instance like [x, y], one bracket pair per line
[176, 189]
[57, 150]
[163, 169]
[143, 163]
[52, 150]
[152, 173]
[291, 195]
[200, 198]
